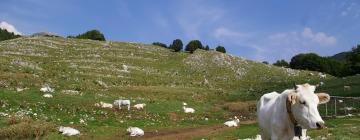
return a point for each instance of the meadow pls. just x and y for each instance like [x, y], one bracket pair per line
[218, 86]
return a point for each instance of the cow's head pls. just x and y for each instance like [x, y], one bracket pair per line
[304, 104]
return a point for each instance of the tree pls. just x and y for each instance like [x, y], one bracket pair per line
[281, 63]
[220, 49]
[314, 62]
[265, 62]
[193, 45]
[92, 34]
[177, 45]
[207, 47]
[159, 44]
[5, 35]
[354, 60]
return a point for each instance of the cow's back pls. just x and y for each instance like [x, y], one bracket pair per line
[265, 108]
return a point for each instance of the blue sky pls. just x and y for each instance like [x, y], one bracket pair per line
[259, 30]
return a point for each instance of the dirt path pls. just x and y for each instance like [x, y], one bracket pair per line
[188, 133]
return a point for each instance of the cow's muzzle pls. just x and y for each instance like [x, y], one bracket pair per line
[320, 125]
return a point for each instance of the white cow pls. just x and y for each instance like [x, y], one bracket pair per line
[188, 110]
[104, 105]
[120, 103]
[232, 123]
[46, 88]
[140, 106]
[68, 131]
[135, 131]
[322, 75]
[47, 95]
[279, 113]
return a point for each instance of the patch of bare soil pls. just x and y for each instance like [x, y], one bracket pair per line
[188, 133]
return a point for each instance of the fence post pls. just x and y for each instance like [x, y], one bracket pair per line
[335, 105]
[326, 114]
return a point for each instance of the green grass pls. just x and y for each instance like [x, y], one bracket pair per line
[158, 77]
[335, 87]
[337, 129]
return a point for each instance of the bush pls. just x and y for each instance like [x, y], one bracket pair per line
[160, 44]
[207, 47]
[26, 129]
[220, 49]
[177, 45]
[92, 34]
[281, 63]
[193, 45]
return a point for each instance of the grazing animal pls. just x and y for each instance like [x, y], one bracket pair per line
[232, 123]
[322, 75]
[347, 88]
[125, 68]
[135, 131]
[188, 110]
[120, 103]
[46, 88]
[278, 114]
[103, 105]
[47, 95]
[140, 106]
[68, 131]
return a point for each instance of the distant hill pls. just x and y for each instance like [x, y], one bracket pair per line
[340, 56]
[81, 63]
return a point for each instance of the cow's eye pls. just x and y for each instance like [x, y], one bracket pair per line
[303, 103]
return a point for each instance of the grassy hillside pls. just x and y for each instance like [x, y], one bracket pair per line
[216, 85]
[335, 86]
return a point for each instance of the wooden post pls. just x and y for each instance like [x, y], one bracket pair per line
[326, 114]
[335, 106]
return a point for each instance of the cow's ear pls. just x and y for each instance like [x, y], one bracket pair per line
[323, 98]
[292, 98]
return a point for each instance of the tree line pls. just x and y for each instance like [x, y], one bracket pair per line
[92, 34]
[312, 61]
[177, 46]
[5, 35]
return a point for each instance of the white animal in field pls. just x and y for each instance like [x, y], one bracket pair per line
[322, 75]
[119, 103]
[68, 131]
[46, 88]
[125, 68]
[103, 105]
[47, 95]
[278, 114]
[135, 131]
[232, 123]
[347, 88]
[188, 110]
[140, 106]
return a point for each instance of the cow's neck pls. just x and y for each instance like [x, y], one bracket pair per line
[290, 113]
[297, 128]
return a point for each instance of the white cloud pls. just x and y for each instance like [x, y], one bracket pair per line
[319, 37]
[274, 46]
[9, 27]
[224, 33]
[195, 17]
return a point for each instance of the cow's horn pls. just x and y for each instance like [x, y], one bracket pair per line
[294, 86]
